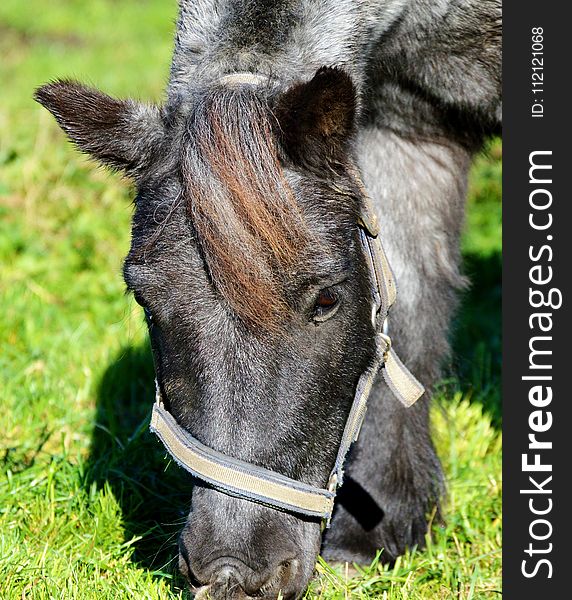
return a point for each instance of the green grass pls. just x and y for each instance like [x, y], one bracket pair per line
[81, 481]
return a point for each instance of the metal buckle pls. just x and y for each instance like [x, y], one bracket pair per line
[388, 344]
[332, 487]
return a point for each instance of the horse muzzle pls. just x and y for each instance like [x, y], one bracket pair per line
[233, 579]
[232, 549]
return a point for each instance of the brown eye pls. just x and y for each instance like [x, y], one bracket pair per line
[326, 298]
[326, 303]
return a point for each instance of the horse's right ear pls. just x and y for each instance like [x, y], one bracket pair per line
[317, 117]
[120, 133]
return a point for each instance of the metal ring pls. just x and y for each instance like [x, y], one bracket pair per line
[385, 326]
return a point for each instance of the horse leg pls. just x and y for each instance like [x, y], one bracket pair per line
[393, 479]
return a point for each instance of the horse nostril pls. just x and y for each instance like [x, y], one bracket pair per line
[280, 580]
[220, 576]
[232, 578]
[227, 578]
[230, 582]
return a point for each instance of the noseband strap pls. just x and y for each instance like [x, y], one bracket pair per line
[236, 477]
[257, 484]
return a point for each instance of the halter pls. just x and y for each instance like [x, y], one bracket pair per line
[254, 483]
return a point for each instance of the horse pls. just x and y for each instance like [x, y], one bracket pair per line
[281, 121]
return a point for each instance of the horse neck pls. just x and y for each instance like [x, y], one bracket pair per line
[442, 53]
[442, 48]
[290, 40]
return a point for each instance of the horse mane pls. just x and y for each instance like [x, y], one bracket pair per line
[249, 227]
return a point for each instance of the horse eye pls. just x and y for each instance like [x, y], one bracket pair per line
[326, 303]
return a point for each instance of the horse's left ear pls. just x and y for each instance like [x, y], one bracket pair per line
[317, 118]
[120, 133]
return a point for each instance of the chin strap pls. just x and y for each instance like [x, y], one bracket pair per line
[257, 484]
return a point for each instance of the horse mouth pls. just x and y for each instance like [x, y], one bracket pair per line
[210, 592]
[205, 593]
[226, 587]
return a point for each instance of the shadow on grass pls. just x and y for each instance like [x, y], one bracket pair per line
[478, 337]
[154, 495]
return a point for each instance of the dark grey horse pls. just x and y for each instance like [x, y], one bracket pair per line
[246, 258]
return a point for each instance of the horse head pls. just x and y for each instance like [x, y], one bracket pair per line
[246, 258]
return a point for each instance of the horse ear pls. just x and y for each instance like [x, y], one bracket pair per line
[317, 118]
[118, 133]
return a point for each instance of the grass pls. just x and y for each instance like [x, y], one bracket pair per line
[81, 481]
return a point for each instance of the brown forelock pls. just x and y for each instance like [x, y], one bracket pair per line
[248, 224]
